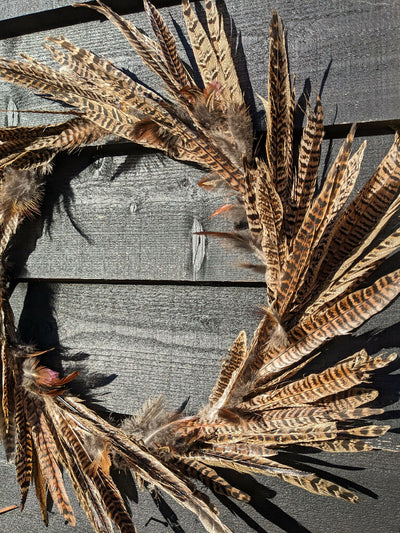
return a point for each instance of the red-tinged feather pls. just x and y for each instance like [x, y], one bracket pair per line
[222, 210]
[47, 455]
[8, 508]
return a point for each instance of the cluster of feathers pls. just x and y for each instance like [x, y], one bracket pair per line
[317, 248]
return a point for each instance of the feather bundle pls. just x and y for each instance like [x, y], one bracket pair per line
[317, 249]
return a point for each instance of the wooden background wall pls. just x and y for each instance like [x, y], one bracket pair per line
[116, 281]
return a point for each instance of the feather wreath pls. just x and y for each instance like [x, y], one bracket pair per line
[318, 249]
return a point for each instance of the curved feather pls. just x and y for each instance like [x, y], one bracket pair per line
[344, 316]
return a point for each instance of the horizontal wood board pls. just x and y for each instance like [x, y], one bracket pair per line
[348, 52]
[277, 506]
[22, 8]
[135, 217]
[37, 10]
[173, 339]
[173, 336]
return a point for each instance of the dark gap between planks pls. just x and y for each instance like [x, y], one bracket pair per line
[69, 16]
[334, 131]
[105, 281]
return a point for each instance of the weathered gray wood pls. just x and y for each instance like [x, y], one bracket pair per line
[354, 45]
[158, 339]
[170, 339]
[25, 7]
[174, 336]
[277, 506]
[131, 217]
[52, 7]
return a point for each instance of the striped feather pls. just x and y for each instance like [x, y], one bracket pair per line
[149, 51]
[105, 498]
[365, 211]
[230, 372]
[5, 371]
[40, 487]
[344, 316]
[250, 448]
[338, 378]
[365, 431]
[310, 288]
[305, 480]
[312, 229]
[279, 110]
[249, 199]
[353, 272]
[340, 445]
[24, 449]
[47, 455]
[270, 210]
[168, 46]
[92, 68]
[221, 46]
[204, 53]
[210, 478]
[149, 468]
[85, 489]
[308, 163]
[321, 486]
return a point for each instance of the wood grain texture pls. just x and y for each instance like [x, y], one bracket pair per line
[176, 335]
[141, 340]
[350, 50]
[276, 506]
[25, 7]
[131, 217]
[173, 336]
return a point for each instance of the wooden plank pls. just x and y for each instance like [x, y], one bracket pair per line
[24, 17]
[175, 335]
[172, 338]
[350, 49]
[132, 217]
[276, 506]
[43, 14]
[24, 7]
